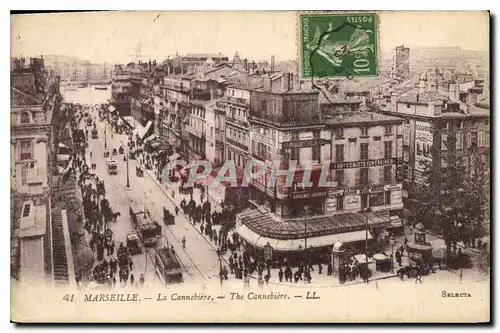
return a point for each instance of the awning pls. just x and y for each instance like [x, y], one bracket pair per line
[149, 138]
[111, 108]
[174, 156]
[146, 130]
[299, 244]
[63, 157]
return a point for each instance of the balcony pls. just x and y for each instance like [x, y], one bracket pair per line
[175, 86]
[238, 122]
[236, 144]
[36, 176]
[237, 100]
[195, 131]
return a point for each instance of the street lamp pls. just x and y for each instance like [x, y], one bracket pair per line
[392, 241]
[105, 141]
[306, 211]
[128, 188]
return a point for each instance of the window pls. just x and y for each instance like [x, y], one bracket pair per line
[295, 136]
[481, 139]
[263, 106]
[363, 176]
[316, 153]
[339, 177]
[460, 124]
[387, 200]
[340, 203]
[26, 210]
[388, 173]
[460, 143]
[339, 133]
[444, 125]
[364, 131]
[377, 199]
[388, 130]
[474, 139]
[24, 174]
[406, 136]
[339, 153]
[486, 123]
[469, 139]
[26, 151]
[419, 148]
[487, 138]
[388, 149]
[294, 154]
[363, 154]
[25, 118]
[444, 142]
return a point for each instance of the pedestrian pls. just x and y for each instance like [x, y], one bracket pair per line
[132, 279]
[280, 275]
[320, 269]
[177, 211]
[130, 263]
[141, 280]
[418, 275]
[183, 242]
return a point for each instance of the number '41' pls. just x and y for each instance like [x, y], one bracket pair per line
[69, 297]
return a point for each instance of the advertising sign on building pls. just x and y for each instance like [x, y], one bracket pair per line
[353, 202]
[331, 205]
[423, 144]
[396, 197]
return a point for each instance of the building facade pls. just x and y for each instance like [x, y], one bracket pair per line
[35, 100]
[120, 90]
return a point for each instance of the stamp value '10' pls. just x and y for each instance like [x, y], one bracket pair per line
[336, 45]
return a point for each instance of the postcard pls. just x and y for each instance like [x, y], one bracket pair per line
[259, 166]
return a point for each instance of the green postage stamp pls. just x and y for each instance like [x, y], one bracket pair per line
[338, 44]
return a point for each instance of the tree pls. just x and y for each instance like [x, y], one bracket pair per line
[453, 198]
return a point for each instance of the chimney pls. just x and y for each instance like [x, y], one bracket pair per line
[272, 63]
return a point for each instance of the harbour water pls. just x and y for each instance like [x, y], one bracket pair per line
[88, 95]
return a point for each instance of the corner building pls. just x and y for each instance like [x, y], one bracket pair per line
[362, 155]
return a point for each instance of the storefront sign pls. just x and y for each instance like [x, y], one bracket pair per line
[365, 164]
[303, 144]
[352, 202]
[306, 136]
[396, 197]
[309, 195]
[331, 205]
[393, 187]
[357, 190]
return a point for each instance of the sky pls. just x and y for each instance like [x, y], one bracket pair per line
[116, 37]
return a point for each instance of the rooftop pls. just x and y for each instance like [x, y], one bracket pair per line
[205, 55]
[359, 117]
[266, 224]
[428, 97]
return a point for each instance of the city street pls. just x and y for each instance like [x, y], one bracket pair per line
[199, 262]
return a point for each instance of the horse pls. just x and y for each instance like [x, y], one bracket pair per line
[114, 216]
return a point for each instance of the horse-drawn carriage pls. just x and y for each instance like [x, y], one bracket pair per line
[106, 153]
[122, 255]
[121, 150]
[115, 152]
[139, 171]
[133, 244]
[94, 133]
[168, 218]
[100, 188]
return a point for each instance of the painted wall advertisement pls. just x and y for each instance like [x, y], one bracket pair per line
[331, 205]
[423, 144]
[396, 197]
[353, 202]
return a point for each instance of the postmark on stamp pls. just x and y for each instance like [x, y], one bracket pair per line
[338, 44]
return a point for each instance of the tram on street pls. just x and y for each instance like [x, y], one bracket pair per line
[112, 167]
[147, 229]
[168, 265]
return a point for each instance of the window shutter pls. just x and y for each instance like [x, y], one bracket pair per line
[357, 175]
[381, 179]
[469, 139]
